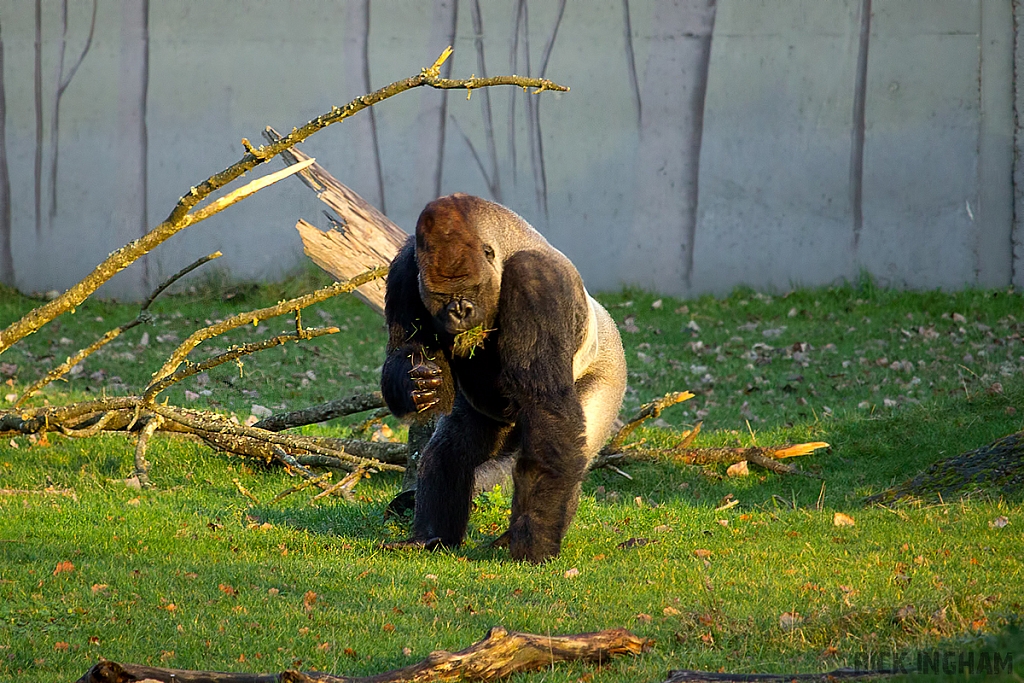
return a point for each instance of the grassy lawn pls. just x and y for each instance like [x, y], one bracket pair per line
[192, 574]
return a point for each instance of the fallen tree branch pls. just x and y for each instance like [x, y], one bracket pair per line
[997, 467]
[498, 655]
[144, 316]
[180, 218]
[322, 412]
[200, 422]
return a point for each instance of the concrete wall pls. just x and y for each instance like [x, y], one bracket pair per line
[703, 145]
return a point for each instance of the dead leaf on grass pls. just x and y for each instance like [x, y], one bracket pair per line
[789, 621]
[63, 567]
[738, 469]
[839, 519]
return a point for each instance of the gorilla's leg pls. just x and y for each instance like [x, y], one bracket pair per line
[463, 440]
[547, 477]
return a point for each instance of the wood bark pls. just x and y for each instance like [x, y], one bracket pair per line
[997, 467]
[322, 412]
[498, 655]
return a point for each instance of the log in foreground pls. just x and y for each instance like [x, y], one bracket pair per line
[689, 676]
[499, 654]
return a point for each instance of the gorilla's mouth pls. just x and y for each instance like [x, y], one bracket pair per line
[469, 341]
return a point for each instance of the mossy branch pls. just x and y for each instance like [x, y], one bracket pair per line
[254, 317]
[144, 316]
[180, 218]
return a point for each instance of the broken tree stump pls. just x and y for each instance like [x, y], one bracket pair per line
[361, 237]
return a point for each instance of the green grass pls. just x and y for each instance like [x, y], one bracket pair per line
[192, 574]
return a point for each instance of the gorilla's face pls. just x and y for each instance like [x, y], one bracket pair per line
[460, 278]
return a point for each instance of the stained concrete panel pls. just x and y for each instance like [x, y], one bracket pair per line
[774, 206]
[921, 144]
[609, 171]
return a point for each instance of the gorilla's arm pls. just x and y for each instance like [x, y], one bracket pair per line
[416, 378]
[542, 320]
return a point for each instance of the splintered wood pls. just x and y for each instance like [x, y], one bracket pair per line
[361, 237]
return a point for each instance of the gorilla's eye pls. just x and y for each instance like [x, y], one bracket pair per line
[489, 252]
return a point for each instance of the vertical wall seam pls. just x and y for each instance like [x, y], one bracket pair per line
[696, 142]
[38, 85]
[857, 129]
[7, 274]
[373, 115]
[1015, 92]
[631, 64]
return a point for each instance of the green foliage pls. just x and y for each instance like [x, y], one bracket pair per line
[192, 574]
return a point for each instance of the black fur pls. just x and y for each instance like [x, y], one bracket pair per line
[411, 341]
[515, 393]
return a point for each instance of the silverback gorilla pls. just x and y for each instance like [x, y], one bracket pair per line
[541, 378]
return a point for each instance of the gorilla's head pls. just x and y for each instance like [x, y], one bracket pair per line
[460, 273]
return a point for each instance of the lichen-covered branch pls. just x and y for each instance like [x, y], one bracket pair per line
[254, 317]
[143, 317]
[646, 412]
[233, 353]
[180, 218]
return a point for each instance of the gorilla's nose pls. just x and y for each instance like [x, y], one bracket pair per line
[460, 310]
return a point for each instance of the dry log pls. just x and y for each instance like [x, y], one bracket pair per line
[498, 655]
[997, 467]
[689, 676]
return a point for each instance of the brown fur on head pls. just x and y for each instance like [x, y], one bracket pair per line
[459, 277]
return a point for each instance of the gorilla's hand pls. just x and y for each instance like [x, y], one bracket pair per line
[427, 379]
[417, 383]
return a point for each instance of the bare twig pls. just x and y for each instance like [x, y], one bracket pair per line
[343, 487]
[246, 492]
[291, 463]
[233, 353]
[304, 484]
[251, 317]
[177, 276]
[647, 411]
